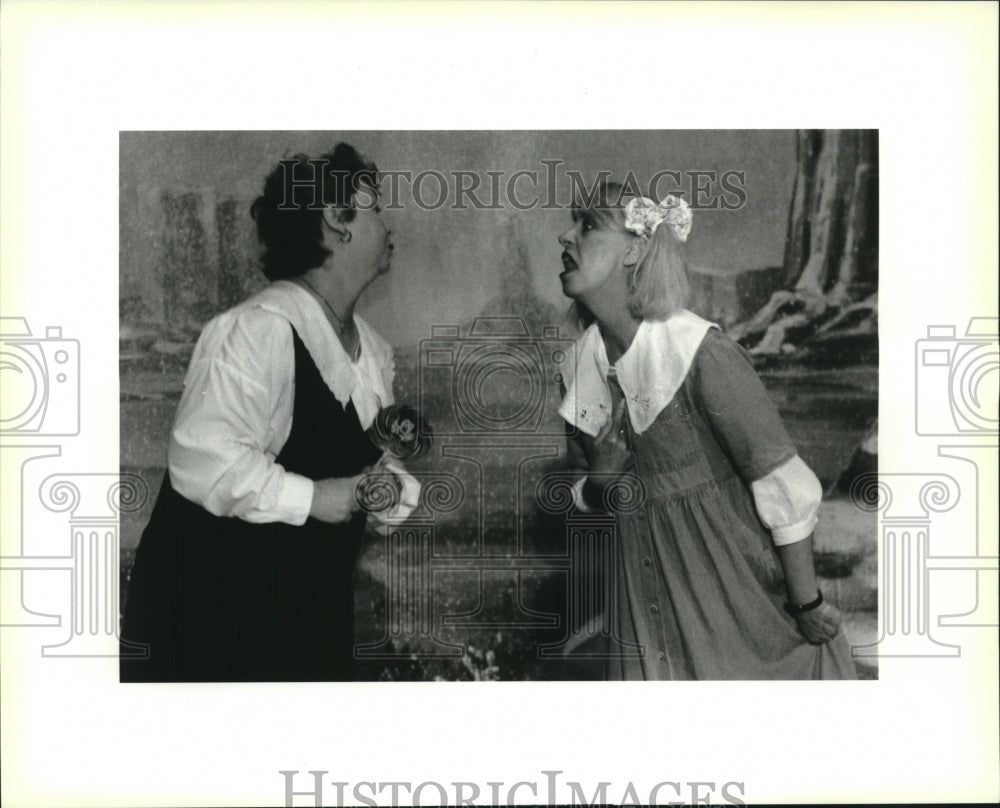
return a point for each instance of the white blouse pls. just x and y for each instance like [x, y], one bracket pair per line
[650, 373]
[235, 413]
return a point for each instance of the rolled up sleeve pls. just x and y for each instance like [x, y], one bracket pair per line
[234, 410]
[788, 501]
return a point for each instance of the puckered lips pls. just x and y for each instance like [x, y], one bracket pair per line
[569, 265]
[388, 250]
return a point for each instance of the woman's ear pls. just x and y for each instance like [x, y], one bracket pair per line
[634, 252]
[331, 218]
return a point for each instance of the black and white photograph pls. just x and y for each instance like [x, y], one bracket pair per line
[486, 404]
[579, 397]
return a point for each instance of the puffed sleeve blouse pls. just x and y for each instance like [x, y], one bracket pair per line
[743, 418]
[235, 413]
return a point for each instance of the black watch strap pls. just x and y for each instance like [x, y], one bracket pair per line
[795, 611]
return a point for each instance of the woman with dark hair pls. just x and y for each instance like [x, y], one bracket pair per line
[676, 436]
[244, 571]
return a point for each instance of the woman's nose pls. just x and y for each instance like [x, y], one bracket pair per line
[566, 238]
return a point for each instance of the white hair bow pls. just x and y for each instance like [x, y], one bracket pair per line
[643, 216]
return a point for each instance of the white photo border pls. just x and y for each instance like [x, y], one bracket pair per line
[924, 74]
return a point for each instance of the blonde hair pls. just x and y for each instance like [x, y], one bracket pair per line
[658, 286]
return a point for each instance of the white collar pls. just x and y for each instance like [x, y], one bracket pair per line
[650, 372]
[364, 382]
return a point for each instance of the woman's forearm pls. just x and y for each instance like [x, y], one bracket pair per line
[800, 573]
[334, 499]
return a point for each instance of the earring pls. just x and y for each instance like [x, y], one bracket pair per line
[343, 233]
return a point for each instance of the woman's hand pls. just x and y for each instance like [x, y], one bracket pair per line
[611, 452]
[335, 499]
[818, 625]
[821, 624]
[610, 455]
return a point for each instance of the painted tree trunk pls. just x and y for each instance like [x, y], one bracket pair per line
[832, 229]
[831, 247]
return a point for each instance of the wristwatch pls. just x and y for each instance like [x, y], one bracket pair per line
[795, 611]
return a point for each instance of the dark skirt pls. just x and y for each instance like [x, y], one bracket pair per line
[220, 599]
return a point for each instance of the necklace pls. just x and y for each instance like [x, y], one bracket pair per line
[341, 326]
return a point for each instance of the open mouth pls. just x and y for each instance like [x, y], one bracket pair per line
[569, 265]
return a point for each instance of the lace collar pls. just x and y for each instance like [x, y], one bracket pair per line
[367, 382]
[650, 372]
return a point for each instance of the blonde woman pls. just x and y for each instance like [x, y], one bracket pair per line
[714, 574]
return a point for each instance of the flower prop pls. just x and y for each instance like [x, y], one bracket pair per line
[389, 493]
[401, 432]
